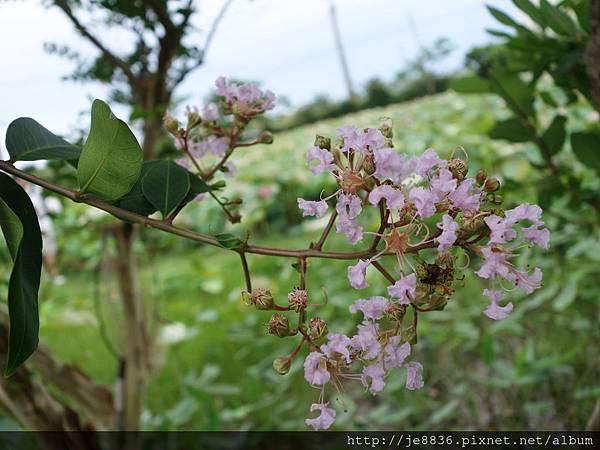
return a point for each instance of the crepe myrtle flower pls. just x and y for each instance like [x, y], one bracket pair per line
[408, 193]
[244, 99]
[324, 420]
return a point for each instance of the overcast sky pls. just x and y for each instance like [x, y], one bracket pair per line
[287, 45]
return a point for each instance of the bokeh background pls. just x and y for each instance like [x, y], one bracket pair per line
[537, 369]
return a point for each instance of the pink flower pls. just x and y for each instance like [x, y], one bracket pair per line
[210, 112]
[443, 184]
[389, 164]
[500, 229]
[337, 344]
[373, 308]
[537, 236]
[315, 371]
[215, 145]
[494, 264]
[323, 157]
[376, 373]
[360, 141]
[349, 206]
[448, 236]
[495, 311]
[414, 377]
[394, 198]
[365, 341]
[525, 211]
[404, 289]
[466, 197]
[427, 161]
[528, 283]
[356, 274]
[324, 420]
[395, 353]
[349, 227]
[424, 200]
[310, 208]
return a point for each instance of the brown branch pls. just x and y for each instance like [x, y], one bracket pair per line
[326, 231]
[112, 58]
[129, 216]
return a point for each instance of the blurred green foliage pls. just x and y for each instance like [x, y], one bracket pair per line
[538, 369]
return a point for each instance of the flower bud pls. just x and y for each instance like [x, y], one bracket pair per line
[262, 299]
[247, 298]
[458, 168]
[481, 177]
[322, 142]
[491, 185]
[498, 199]
[279, 325]
[396, 311]
[445, 259]
[317, 328]
[282, 365]
[171, 124]
[266, 137]
[194, 119]
[297, 299]
[387, 127]
[438, 302]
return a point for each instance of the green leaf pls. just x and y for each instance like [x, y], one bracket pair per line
[511, 130]
[134, 200]
[517, 94]
[586, 147]
[197, 186]
[549, 189]
[228, 240]
[471, 84]
[165, 186]
[27, 140]
[532, 11]
[11, 229]
[554, 136]
[111, 159]
[25, 276]
[502, 17]
[557, 20]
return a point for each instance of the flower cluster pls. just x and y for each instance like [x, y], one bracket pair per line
[214, 132]
[411, 193]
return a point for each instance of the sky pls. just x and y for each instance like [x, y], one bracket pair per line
[286, 45]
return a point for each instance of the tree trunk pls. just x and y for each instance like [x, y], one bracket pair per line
[592, 53]
[134, 368]
[28, 399]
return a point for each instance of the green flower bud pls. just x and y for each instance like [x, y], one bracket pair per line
[498, 199]
[387, 127]
[171, 124]
[491, 185]
[194, 120]
[481, 177]
[262, 299]
[279, 325]
[247, 298]
[282, 365]
[317, 328]
[438, 302]
[266, 137]
[322, 142]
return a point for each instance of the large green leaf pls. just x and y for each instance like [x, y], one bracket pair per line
[586, 147]
[11, 229]
[511, 130]
[27, 140]
[165, 186]
[554, 136]
[26, 247]
[134, 200]
[111, 159]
